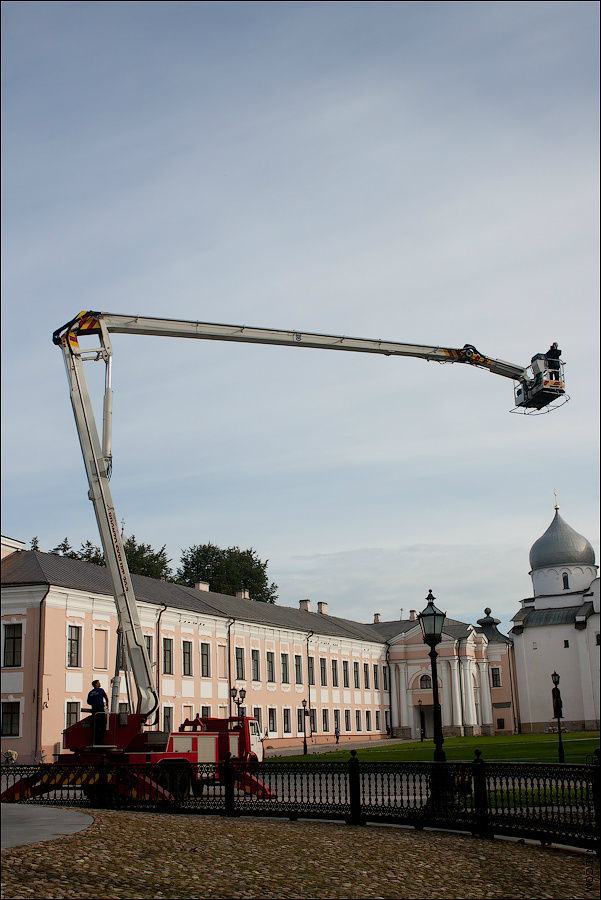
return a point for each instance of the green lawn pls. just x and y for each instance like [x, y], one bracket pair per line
[520, 747]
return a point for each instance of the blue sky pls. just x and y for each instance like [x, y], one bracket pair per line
[420, 172]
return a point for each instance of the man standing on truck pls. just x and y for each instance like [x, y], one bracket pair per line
[97, 701]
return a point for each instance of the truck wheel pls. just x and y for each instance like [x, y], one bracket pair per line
[100, 796]
[198, 785]
[175, 778]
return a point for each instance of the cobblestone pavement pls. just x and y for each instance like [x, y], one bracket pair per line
[149, 855]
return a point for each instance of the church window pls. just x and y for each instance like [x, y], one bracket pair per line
[500, 724]
[495, 674]
[566, 581]
[425, 682]
[566, 643]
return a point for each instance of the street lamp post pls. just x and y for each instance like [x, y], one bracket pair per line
[431, 621]
[305, 714]
[558, 713]
[238, 698]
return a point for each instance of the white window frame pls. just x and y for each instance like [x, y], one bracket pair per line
[204, 657]
[189, 674]
[68, 703]
[18, 700]
[79, 645]
[240, 663]
[298, 668]
[285, 667]
[167, 640]
[255, 665]
[270, 666]
[6, 625]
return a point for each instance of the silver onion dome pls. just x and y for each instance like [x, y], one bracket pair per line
[560, 545]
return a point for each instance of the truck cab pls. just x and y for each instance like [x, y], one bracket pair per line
[211, 739]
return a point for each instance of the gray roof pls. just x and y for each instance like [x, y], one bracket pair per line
[388, 630]
[565, 615]
[33, 567]
[561, 545]
[488, 627]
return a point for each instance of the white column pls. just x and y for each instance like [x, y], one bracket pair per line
[403, 695]
[469, 706]
[485, 700]
[456, 691]
[394, 696]
[446, 705]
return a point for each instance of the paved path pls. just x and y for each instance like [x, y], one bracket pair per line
[24, 824]
[153, 855]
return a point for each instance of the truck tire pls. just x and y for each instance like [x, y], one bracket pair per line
[175, 777]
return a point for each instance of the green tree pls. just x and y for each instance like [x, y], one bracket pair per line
[89, 552]
[34, 544]
[65, 549]
[227, 571]
[142, 559]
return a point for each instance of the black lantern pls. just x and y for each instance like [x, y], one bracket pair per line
[305, 714]
[558, 714]
[238, 697]
[431, 620]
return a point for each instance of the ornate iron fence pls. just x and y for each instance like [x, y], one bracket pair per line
[548, 802]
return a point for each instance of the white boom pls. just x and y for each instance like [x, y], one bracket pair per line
[534, 392]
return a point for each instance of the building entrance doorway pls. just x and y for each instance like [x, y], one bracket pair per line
[423, 722]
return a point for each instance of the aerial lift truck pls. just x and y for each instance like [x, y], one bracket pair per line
[538, 387]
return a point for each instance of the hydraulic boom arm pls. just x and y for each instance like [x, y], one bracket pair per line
[89, 323]
[535, 391]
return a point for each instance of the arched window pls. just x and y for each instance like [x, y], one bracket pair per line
[425, 682]
[566, 581]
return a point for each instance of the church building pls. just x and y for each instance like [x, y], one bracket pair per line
[557, 631]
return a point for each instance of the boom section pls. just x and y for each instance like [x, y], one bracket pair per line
[89, 322]
[97, 462]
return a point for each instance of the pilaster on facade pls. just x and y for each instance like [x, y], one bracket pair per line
[394, 699]
[485, 698]
[457, 723]
[470, 721]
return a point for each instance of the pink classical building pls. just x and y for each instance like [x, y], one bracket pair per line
[366, 680]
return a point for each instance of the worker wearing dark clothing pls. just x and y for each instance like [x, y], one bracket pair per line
[97, 701]
[553, 355]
